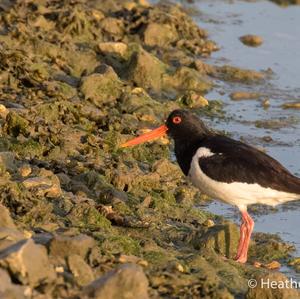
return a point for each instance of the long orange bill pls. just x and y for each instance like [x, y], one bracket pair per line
[156, 133]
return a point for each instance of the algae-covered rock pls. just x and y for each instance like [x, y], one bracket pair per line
[220, 238]
[16, 124]
[159, 35]
[186, 78]
[127, 281]
[102, 87]
[272, 285]
[145, 70]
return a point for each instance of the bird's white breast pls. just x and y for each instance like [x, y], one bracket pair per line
[236, 193]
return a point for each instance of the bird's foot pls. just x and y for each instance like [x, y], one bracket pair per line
[241, 259]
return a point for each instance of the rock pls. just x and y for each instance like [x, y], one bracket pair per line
[145, 70]
[16, 124]
[117, 48]
[5, 281]
[102, 87]
[7, 162]
[273, 265]
[125, 282]
[28, 262]
[5, 219]
[244, 95]
[251, 40]
[3, 111]
[112, 26]
[64, 246]
[82, 272]
[25, 170]
[193, 100]
[186, 78]
[160, 35]
[9, 236]
[291, 105]
[47, 184]
[273, 285]
[221, 238]
[8, 290]
[44, 185]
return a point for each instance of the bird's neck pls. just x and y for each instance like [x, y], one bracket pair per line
[185, 149]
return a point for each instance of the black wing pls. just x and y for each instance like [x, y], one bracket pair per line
[234, 161]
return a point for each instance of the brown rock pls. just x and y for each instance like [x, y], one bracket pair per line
[244, 95]
[5, 219]
[64, 246]
[251, 40]
[28, 262]
[113, 48]
[125, 282]
[81, 271]
[291, 105]
[159, 35]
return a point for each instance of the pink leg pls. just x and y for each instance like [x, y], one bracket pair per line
[246, 231]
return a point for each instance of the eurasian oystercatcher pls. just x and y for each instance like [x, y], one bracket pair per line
[226, 169]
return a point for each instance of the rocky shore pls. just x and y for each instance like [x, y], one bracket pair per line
[80, 217]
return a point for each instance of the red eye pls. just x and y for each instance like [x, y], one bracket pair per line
[176, 120]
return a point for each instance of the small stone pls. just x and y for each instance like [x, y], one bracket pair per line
[244, 95]
[257, 264]
[127, 281]
[123, 259]
[273, 265]
[251, 40]
[82, 272]
[28, 262]
[115, 48]
[266, 103]
[193, 100]
[291, 105]
[25, 170]
[3, 111]
[209, 223]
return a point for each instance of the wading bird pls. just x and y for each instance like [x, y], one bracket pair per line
[226, 169]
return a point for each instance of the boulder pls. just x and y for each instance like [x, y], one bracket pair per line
[27, 262]
[102, 87]
[159, 35]
[125, 282]
[221, 238]
[145, 70]
[64, 246]
[81, 271]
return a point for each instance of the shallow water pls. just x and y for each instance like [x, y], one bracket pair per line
[279, 27]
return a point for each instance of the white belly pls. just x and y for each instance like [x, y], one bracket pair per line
[239, 194]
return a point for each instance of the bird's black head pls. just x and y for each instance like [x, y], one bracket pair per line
[184, 125]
